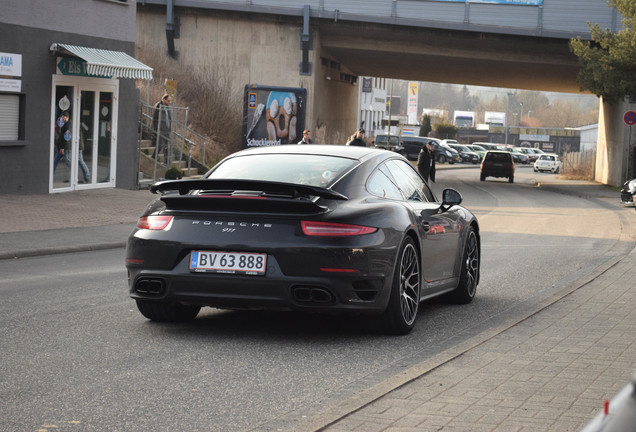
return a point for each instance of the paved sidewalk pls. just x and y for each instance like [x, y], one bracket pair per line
[548, 372]
[72, 221]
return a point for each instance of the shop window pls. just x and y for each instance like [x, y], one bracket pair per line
[9, 117]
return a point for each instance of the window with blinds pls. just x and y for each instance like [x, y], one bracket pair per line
[9, 117]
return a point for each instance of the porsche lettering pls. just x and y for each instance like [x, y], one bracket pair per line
[232, 224]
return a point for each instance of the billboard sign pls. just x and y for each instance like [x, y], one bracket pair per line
[412, 107]
[273, 115]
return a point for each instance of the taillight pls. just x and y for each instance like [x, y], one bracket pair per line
[154, 222]
[312, 228]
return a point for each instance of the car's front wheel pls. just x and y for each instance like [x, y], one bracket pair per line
[441, 159]
[167, 311]
[401, 312]
[469, 277]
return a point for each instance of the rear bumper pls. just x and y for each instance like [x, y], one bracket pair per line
[331, 292]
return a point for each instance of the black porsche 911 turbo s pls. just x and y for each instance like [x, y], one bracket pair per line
[316, 228]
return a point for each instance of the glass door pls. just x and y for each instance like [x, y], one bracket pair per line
[96, 143]
[105, 144]
[62, 148]
[83, 133]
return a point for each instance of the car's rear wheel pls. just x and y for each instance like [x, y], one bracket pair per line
[482, 177]
[164, 311]
[511, 179]
[469, 276]
[404, 301]
[441, 159]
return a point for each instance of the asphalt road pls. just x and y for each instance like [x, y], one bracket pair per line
[77, 355]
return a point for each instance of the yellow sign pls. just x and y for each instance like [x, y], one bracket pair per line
[171, 86]
[413, 88]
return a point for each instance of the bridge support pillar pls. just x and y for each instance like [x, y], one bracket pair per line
[615, 155]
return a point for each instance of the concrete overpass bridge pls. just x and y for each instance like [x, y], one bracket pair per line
[324, 45]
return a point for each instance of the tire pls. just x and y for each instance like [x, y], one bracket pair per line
[511, 179]
[482, 177]
[557, 170]
[469, 276]
[404, 300]
[441, 159]
[536, 170]
[167, 312]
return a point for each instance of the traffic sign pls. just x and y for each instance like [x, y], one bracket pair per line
[630, 117]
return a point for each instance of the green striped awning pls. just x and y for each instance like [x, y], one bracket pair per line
[100, 62]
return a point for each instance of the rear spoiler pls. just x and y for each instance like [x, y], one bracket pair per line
[247, 187]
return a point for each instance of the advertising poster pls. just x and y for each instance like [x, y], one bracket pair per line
[273, 115]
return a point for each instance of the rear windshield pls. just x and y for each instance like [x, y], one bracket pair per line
[499, 157]
[314, 170]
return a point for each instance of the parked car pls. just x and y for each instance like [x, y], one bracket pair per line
[489, 146]
[548, 162]
[477, 149]
[446, 153]
[628, 193]
[517, 155]
[413, 145]
[497, 163]
[532, 155]
[395, 144]
[467, 155]
[312, 228]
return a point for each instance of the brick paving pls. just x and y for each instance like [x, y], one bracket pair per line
[551, 372]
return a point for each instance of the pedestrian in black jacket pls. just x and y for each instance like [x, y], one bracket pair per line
[358, 139]
[426, 163]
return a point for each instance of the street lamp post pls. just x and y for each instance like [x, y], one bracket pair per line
[520, 112]
[507, 117]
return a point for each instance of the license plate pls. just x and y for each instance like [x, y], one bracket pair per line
[228, 262]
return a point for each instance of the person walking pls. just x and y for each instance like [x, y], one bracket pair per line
[426, 162]
[357, 139]
[161, 124]
[306, 137]
[62, 140]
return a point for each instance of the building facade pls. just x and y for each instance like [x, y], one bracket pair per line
[68, 101]
[372, 95]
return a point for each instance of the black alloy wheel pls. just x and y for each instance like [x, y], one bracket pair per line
[401, 312]
[469, 276]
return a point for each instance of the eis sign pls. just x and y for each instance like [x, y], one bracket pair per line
[74, 66]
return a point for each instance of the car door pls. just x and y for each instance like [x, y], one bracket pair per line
[439, 231]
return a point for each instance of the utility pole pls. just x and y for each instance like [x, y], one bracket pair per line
[507, 117]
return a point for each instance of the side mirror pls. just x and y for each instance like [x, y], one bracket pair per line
[451, 197]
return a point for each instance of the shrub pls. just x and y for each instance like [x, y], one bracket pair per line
[174, 173]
